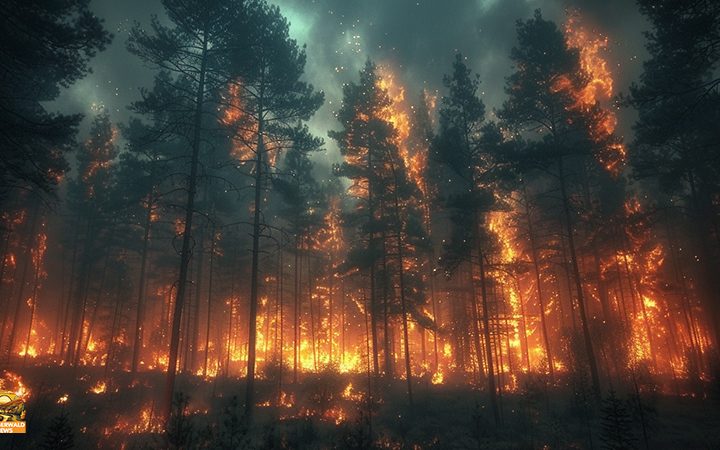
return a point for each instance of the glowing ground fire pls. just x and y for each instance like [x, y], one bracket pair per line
[424, 257]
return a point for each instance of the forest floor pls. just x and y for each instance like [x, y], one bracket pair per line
[330, 410]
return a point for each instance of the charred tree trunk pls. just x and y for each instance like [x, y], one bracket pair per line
[254, 277]
[492, 390]
[33, 305]
[538, 284]
[209, 301]
[296, 304]
[592, 362]
[371, 245]
[194, 341]
[386, 315]
[29, 239]
[186, 252]
[403, 306]
[137, 342]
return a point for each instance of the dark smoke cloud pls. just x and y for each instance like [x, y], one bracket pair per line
[417, 38]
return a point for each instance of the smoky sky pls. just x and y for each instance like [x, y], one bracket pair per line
[417, 39]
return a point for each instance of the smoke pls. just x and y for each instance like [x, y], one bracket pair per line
[417, 38]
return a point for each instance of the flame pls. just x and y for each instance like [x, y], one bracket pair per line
[398, 114]
[438, 377]
[244, 127]
[29, 351]
[598, 88]
[99, 388]
[13, 382]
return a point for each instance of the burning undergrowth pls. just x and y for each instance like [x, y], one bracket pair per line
[328, 410]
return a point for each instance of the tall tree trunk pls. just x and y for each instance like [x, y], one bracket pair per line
[313, 341]
[186, 252]
[386, 315]
[403, 306]
[254, 281]
[33, 305]
[708, 271]
[296, 304]
[85, 339]
[592, 362]
[29, 239]
[538, 283]
[200, 261]
[492, 390]
[209, 301]
[475, 317]
[67, 313]
[139, 317]
[280, 319]
[110, 355]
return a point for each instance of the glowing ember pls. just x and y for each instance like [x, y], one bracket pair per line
[99, 388]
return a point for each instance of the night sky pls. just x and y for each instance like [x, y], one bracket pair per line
[416, 38]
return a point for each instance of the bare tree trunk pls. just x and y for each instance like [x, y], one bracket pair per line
[279, 319]
[386, 316]
[33, 305]
[296, 317]
[313, 341]
[538, 284]
[68, 304]
[492, 390]
[137, 342]
[29, 239]
[578, 282]
[474, 316]
[85, 340]
[110, 356]
[254, 281]
[403, 306]
[195, 326]
[209, 301]
[186, 252]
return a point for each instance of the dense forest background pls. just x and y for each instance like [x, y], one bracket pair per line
[496, 232]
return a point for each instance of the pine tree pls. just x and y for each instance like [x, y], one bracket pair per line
[268, 66]
[91, 200]
[386, 217]
[541, 103]
[233, 428]
[616, 426]
[676, 136]
[47, 45]
[303, 212]
[363, 140]
[462, 150]
[59, 436]
[180, 429]
[191, 55]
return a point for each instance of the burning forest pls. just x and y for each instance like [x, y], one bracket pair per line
[304, 226]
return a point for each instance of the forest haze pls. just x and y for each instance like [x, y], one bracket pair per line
[282, 224]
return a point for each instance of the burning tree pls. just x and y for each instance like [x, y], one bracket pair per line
[191, 56]
[469, 181]
[547, 101]
[676, 140]
[91, 201]
[271, 98]
[389, 224]
[304, 213]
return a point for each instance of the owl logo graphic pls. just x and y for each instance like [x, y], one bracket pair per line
[12, 413]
